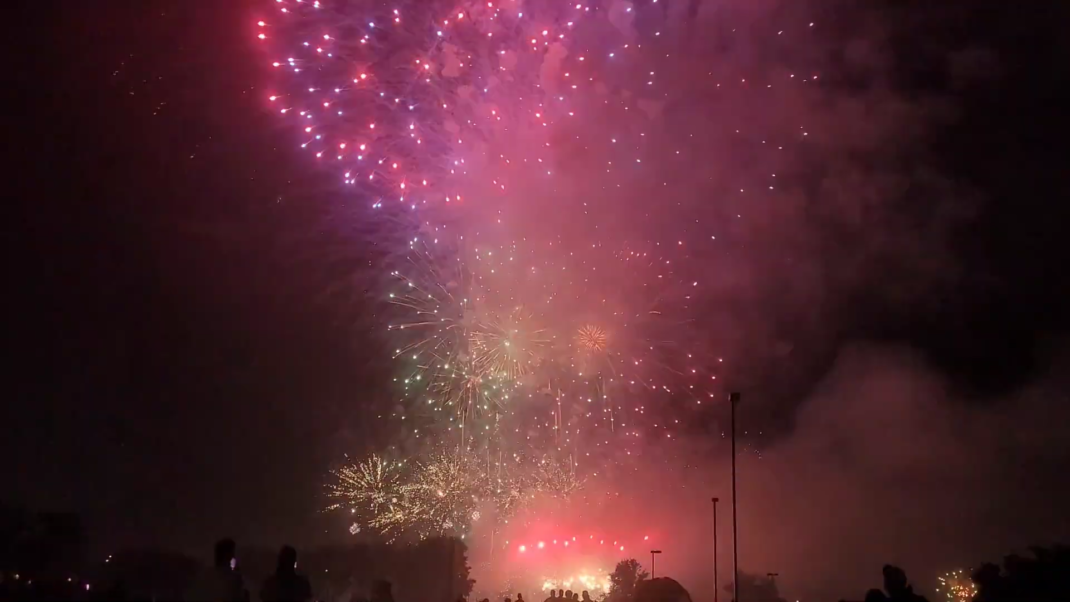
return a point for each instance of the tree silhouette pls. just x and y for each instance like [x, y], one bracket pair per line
[896, 585]
[624, 579]
[42, 546]
[755, 588]
[661, 589]
[1044, 577]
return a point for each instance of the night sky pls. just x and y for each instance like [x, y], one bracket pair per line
[175, 373]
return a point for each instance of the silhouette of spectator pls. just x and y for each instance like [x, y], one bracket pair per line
[220, 583]
[286, 585]
[519, 597]
[568, 595]
[561, 593]
[586, 596]
[661, 589]
[1044, 576]
[899, 590]
[553, 596]
[876, 595]
[382, 591]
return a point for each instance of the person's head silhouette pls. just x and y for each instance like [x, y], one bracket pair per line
[895, 580]
[287, 563]
[225, 553]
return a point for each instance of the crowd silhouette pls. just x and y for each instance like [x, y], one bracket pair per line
[43, 557]
[896, 588]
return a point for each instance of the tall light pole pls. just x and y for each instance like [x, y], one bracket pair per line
[733, 399]
[714, 500]
[652, 552]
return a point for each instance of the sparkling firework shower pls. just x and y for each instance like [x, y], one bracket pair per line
[958, 586]
[478, 365]
[539, 431]
[528, 361]
[404, 98]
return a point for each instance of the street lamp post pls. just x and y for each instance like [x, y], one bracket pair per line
[652, 552]
[715, 500]
[733, 399]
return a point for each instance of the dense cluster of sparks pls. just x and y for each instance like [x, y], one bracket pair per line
[442, 494]
[508, 349]
[958, 586]
[525, 364]
[404, 98]
[372, 483]
[591, 338]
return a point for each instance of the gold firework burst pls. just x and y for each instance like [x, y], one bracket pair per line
[438, 496]
[556, 478]
[369, 486]
[591, 338]
[958, 586]
[444, 493]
